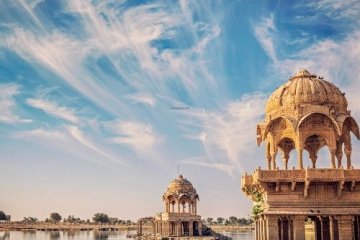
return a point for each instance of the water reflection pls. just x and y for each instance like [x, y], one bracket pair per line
[92, 235]
[64, 235]
[237, 235]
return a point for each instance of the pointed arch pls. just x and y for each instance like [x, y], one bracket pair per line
[353, 126]
[270, 124]
[334, 122]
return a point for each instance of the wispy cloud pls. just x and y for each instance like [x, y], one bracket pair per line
[78, 135]
[143, 98]
[228, 134]
[338, 9]
[140, 137]
[69, 139]
[54, 109]
[48, 135]
[203, 162]
[264, 32]
[8, 104]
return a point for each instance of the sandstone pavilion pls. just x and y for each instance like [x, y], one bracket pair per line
[303, 115]
[180, 216]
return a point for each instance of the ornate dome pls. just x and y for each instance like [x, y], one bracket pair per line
[306, 88]
[180, 186]
[307, 113]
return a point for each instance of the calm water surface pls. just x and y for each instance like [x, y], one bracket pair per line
[91, 235]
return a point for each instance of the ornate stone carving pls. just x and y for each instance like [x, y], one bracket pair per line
[312, 113]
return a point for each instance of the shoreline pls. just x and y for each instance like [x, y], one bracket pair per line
[17, 226]
[232, 228]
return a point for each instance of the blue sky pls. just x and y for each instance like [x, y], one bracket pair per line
[101, 100]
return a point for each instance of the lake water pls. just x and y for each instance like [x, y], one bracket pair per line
[91, 235]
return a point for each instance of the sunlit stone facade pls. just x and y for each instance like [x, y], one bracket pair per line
[305, 114]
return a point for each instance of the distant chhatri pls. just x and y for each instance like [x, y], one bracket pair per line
[180, 211]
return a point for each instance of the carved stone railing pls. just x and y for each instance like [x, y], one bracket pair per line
[303, 175]
[325, 175]
[280, 175]
[352, 174]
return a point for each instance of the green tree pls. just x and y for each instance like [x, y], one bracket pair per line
[2, 216]
[55, 217]
[30, 220]
[113, 220]
[233, 220]
[220, 220]
[101, 218]
[72, 219]
[209, 220]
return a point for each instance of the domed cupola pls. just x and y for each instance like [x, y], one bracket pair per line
[180, 186]
[306, 89]
[182, 194]
[307, 113]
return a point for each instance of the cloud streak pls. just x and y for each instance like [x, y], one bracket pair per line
[54, 109]
[140, 137]
[228, 134]
[264, 32]
[8, 104]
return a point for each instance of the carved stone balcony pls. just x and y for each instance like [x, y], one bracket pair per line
[303, 175]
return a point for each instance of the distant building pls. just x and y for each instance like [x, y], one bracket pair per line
[305, 114]
[180, 211]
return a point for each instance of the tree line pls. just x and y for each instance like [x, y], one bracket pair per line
[231, 221]
[55, 217]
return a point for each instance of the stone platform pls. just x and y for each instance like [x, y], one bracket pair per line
[285, 199]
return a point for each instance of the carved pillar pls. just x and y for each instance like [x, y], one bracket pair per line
[272, 230]
[298, 227]
[345, 227]
[300, 157]
[260, 231]
[339, 153]
[348, 149]
[178, 207]
[191, 229]
[263, 229]
[273, 154]
[285, 158]
[257, 236]
[334, 231]
[348, 157]
[268, 156]
[200, 228]
[332, 156]
[313, 156]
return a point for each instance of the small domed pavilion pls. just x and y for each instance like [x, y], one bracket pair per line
[180, 216]
[305, 114]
